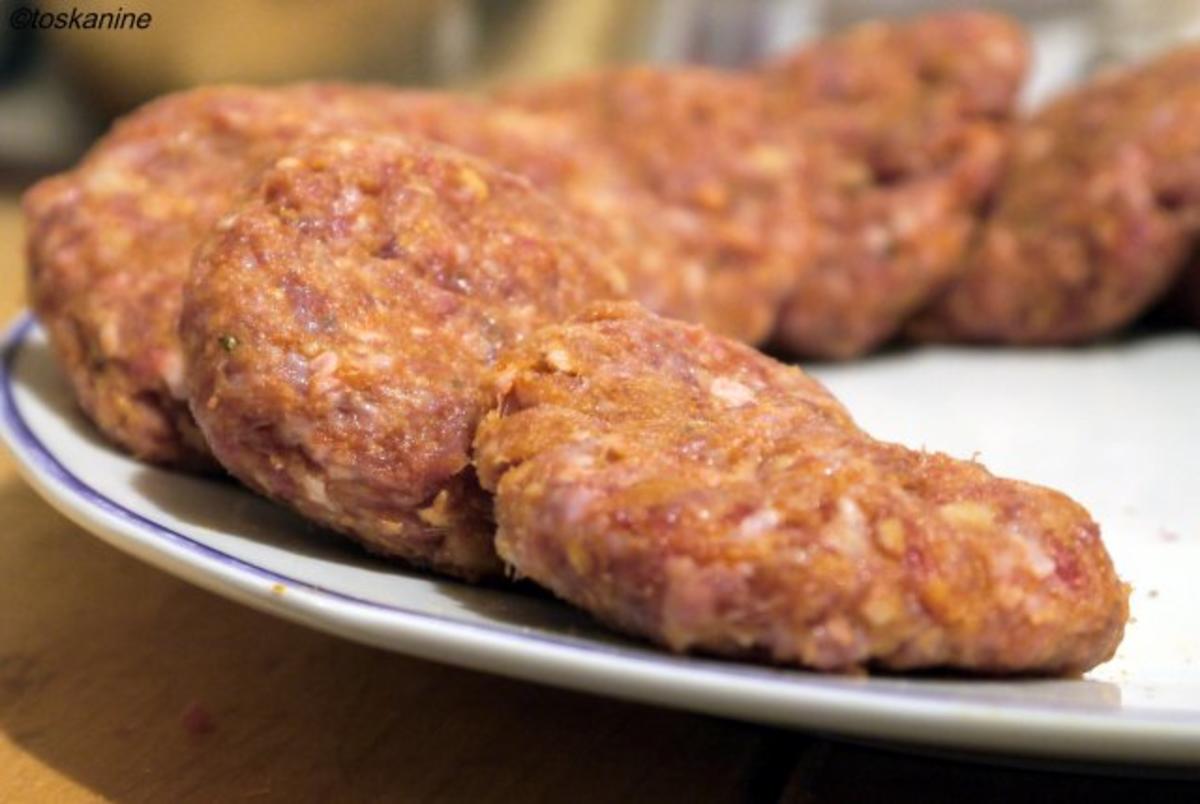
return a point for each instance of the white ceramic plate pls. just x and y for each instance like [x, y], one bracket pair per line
[1116, 426]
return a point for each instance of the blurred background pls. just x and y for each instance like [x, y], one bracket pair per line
[59, 88]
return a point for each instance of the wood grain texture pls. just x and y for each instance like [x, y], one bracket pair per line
[121, 683]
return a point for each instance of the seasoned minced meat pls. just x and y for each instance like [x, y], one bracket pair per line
[687, 489]
[700, 142]
[110, 242]
[903, 124]
[1094, 218]
[338, 324]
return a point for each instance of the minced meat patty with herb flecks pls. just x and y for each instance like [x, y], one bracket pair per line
[110, 242]
[338, 324]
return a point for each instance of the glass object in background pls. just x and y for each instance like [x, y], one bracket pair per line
[537, 39]
[730, 34]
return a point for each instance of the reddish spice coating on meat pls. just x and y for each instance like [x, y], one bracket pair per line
[904, 128]
[337, 325]
[1095, 215]
[690, 490]
[731, 185]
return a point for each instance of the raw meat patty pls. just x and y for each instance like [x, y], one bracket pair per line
[903, 125]
[560, 157]
[699, 141]
[336, 329]
[687, 489]
[110, 242]
[1094, 218]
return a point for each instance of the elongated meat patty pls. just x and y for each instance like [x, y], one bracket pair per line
[1095, 216]
[687, 489]
[338, 324]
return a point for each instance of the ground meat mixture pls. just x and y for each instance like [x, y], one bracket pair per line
[731, 184]
[648, 240]
[1094, 218]
[903, 126]
[110, 243]
[687, 489]
[337, 325]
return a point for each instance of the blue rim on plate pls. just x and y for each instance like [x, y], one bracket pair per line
[932, 712]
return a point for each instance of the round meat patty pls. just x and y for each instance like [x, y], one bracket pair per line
[110, 242]
[337, 326]
[1095, 216]
[687, 489]
[904, 127]
[699, 141]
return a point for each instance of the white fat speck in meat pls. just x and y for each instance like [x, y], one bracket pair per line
[731, 392]
[573, 504]
[110, 336]
[1036, 559]
[758, 523]
[295, 369]
[849, 528]
[348, 201]
[558, 359]
[314, 487]
[170, 368]
[323, 365]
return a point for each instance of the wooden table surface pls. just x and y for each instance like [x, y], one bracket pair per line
[118, 682]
